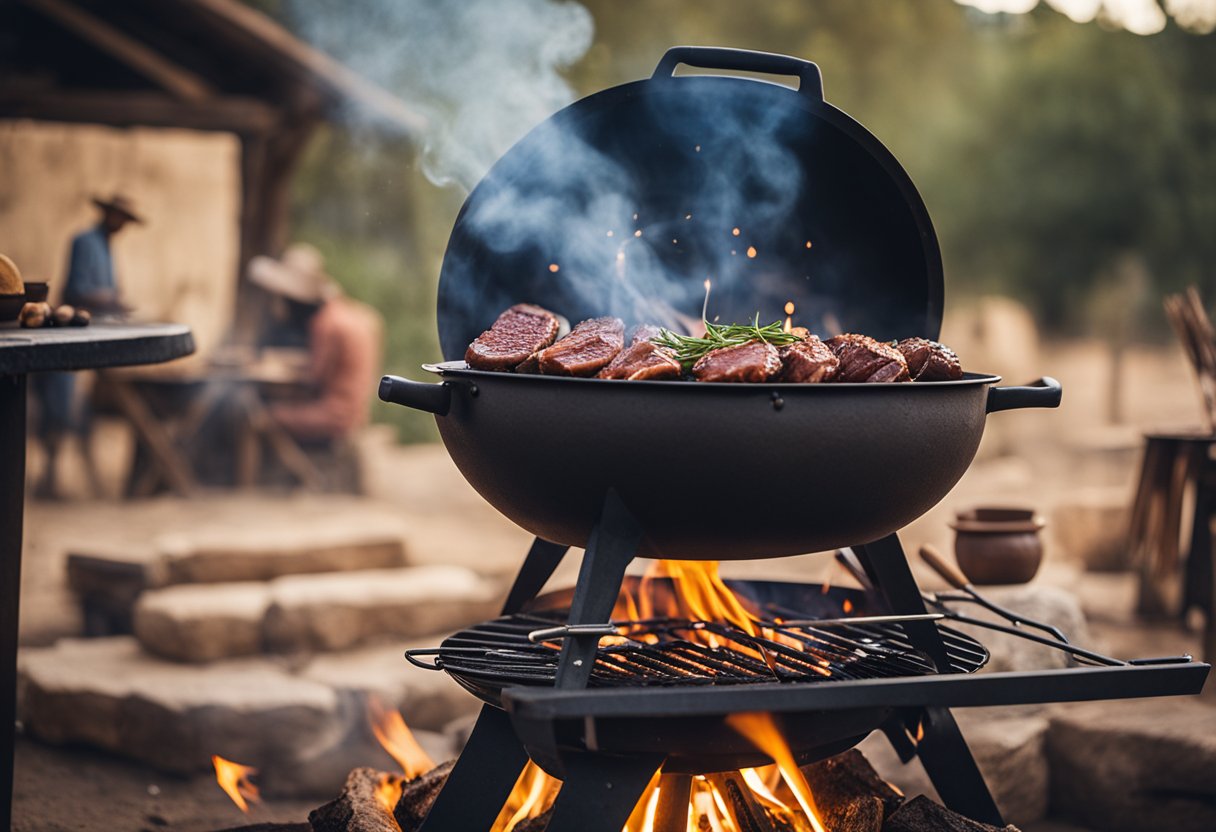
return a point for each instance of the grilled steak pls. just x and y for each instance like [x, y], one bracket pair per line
[588, 348]
[864, 359]
[808, 361]
[644, 332]
[519, 333]
[750, 362]
[643, 360]
[929, 360]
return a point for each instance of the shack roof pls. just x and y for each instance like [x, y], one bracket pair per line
[203, 64]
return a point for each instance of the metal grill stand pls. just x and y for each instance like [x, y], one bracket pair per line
[599, 791]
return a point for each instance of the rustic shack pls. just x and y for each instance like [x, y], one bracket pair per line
[198, 109]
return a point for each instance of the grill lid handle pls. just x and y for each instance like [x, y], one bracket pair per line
[810, 82]
[433, 398]
[1045, 392]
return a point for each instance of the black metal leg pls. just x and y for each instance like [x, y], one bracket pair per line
[12, 504]
[948, 762]
[942, 751]
[482, 778]
[600, 791]
[613, 544]
[887, 565]
[538, 568]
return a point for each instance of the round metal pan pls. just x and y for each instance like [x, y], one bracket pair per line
[712, 471]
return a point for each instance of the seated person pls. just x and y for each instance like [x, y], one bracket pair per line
[344, 343]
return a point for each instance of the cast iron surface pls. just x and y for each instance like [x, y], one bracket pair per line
[625, 202]
[712, 471]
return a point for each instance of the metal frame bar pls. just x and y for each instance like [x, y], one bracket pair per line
[1075, 684]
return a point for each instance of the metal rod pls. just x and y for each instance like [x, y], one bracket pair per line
[813, 623]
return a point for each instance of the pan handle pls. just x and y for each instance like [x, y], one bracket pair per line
[1045, 392]
[810, 82]
[433, 398]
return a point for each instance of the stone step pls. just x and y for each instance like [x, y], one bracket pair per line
[303, 728]
[1131, 766]
[310, 613]
[257, 540]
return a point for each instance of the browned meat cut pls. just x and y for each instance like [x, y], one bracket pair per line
[588, 348]
[751, 362]
[808, 361]
[644, 332]
[518, 334]
[864, 359]
[643, 360]
[929, 360]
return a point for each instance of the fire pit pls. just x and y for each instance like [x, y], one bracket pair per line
[623, 204]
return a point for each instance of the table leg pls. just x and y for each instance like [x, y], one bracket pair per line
[12, 502]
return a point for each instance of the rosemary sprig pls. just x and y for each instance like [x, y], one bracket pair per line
[689, 349]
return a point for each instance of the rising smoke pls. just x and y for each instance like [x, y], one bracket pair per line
[483, 71]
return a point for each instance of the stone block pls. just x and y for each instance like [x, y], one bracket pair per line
[1131, 766]
[110, 694]
[202, 622]
[332, 612]
[1047, 604]
[429, 700]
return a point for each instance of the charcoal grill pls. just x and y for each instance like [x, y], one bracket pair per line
[583, 462]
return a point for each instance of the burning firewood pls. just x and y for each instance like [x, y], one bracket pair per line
[851, 795]
[359, 808]
[418, 794]
[920, 814]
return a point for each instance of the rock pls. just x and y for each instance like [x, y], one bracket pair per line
[332, 612]
[428, 700]
[1047, 604]
[1010, 752]
[307, 613]
[263, 554]
[303, 734]
[203, 622]
[1091, 526]
[1131, 766]
[109, 694]
[243, 539]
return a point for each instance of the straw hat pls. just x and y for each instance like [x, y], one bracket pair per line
[299, 274]
[10, 277]
[120, 203]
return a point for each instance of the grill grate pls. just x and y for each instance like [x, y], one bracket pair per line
[669, 652]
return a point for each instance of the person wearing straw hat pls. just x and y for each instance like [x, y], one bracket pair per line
[90, 284]
[344, 338]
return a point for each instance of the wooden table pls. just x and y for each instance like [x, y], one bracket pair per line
[24, 351]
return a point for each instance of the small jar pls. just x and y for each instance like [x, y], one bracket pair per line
[998, 545]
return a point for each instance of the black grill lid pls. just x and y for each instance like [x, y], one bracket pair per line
[625, 202]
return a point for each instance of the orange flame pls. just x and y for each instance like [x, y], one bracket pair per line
[391, 731]
[388, 791]
[789, 316]
[532, 795]
[763, 733]
[234, 780]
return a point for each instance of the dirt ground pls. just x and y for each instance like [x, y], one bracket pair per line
[1033, 458]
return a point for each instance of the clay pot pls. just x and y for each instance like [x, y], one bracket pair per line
[998, 545]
